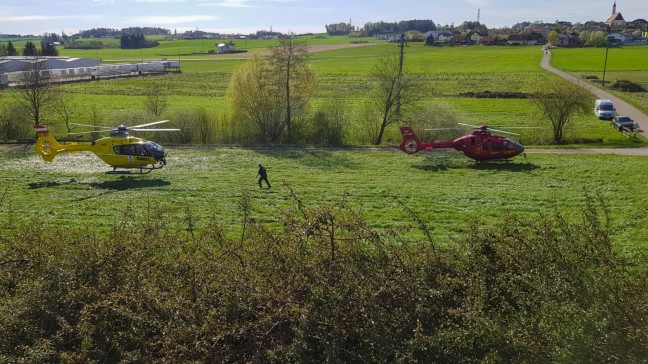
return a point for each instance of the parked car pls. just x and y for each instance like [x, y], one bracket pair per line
[624, 123]
[604, 109]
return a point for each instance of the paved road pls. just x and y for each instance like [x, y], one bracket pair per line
[622, 107]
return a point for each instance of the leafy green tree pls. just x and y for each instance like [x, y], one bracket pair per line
[597, 39]
[255, 101]
[11, 50]
[48, 49]
[339, 28]
[553, 38]
[29, 50]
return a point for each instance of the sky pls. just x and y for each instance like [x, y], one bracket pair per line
[37, 17]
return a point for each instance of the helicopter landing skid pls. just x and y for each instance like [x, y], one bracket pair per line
[142, 170]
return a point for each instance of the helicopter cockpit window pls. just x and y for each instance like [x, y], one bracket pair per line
[154, 148]
[508, 146]
[131, 149]
[497, 146]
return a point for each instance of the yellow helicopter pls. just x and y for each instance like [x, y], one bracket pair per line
[119, 150]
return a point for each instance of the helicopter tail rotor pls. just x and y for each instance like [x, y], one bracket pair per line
[46, 145]
[411, 142]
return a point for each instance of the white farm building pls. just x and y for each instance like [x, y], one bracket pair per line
[20, 63]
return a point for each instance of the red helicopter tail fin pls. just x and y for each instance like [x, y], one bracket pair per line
[411, 143]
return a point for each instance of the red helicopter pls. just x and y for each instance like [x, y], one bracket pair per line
[481, 145]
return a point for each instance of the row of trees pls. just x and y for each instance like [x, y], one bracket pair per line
[370, 28]
[114, 33]
[30, 50]
[136, 41]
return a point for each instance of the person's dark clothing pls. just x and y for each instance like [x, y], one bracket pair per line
[263, 176]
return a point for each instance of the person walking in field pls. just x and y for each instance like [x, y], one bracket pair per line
[263, 176]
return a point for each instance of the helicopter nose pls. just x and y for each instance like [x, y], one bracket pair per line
[519, 148]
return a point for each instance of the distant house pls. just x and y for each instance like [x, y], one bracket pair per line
[521, 39]
[388, 37]
[569, 39]
[458, 39]
[225, 48]
[618, 38]
[475, 37]
[445, 37]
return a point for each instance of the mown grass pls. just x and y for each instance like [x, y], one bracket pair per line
[446, 189]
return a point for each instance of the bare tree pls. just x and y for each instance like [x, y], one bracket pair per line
[35, 90]
[64, 108]
[393, 92]
[559, 102]
[289, 59]
[156, 102]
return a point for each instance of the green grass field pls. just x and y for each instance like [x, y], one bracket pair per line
[446, 189]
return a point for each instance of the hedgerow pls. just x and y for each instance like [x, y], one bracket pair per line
[319, 285]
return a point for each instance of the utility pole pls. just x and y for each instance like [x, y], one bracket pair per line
[607, 47]
[402, 53]
[400, 72]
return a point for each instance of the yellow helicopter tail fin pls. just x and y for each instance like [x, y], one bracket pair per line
[46, 145]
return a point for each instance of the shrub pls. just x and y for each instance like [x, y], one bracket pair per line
[627, 86]
[319, 286]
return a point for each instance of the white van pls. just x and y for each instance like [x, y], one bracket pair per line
[604, 109]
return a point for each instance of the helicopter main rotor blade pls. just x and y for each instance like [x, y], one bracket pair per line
[439, 129]
[87, 132]
[472, 126]
[486, 127]
[148, 124]
[503, 132]
[153, 129]
[92, 126]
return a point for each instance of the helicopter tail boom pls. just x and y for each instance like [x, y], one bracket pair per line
[46, 145]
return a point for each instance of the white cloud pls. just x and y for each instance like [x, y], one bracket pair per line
[170, 20]
[230, 4]
[29, 18]
[161, 1]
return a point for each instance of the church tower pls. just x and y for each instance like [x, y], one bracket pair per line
[616, 19]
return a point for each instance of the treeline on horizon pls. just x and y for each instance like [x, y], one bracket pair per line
[369, 29]
[108, 32]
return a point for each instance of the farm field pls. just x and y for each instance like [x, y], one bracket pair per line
[623, 63]
[444, 73]
[209, 180]
[446, 190]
